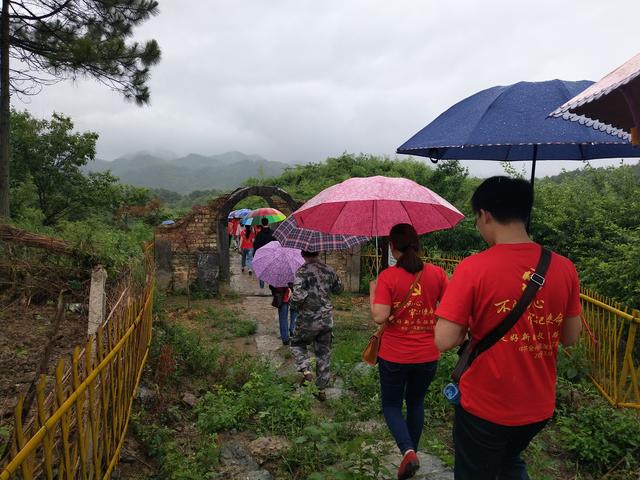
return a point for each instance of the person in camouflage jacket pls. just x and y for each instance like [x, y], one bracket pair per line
[314, 282]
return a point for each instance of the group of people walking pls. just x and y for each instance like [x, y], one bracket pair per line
[507, 392]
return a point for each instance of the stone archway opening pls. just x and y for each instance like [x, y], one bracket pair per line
[275, 197]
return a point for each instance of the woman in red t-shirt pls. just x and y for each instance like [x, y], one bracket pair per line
[246, 247]
[408, 357]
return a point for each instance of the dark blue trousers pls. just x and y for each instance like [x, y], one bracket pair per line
[405, 383]
[488, 451]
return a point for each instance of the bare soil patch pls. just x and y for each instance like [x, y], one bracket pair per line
[23, 336]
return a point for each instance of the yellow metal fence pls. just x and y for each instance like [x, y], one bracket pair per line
[611, 342]
[80, 422]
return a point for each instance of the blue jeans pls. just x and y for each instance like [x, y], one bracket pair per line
[405, 382]
[488, 451]
[247, 258]
[286, 326]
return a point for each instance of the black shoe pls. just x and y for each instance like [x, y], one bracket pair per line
[286, 342]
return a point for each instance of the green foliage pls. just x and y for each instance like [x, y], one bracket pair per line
[573, 364]
[304, 181]
[192, 356]
[265, 402]
[47, 157]
[601, 437]
[315, 447]
[115, 248]
[196, 462]
[591, 217]
[49, 154]
[72, 39]
[228, 322]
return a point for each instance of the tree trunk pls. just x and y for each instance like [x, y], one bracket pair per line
[4, 111]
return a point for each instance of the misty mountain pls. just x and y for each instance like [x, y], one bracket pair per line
[188, 173]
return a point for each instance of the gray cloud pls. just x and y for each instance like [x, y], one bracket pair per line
[296, 80]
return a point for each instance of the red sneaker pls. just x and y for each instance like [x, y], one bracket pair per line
[409, 465]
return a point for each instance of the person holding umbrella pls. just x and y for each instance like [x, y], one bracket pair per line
[286, 315]
[507, 393]
[277, 266]
[404, 298]
[246, 247]
[314, 282]
[264, 236]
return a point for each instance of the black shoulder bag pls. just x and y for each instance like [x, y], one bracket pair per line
[470, 350]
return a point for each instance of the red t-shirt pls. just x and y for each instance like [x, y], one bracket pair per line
[246, 243]
[409, 337]
[514, 382]
[232, 226]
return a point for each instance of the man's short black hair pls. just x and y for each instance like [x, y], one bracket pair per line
[507, 199]
[306, 254]
[264, 222]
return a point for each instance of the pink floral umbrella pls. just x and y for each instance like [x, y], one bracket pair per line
[370, 206]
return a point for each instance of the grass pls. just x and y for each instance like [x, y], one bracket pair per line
[344, 438]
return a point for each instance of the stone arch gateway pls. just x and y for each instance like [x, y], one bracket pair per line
[195, 249]
[275, 197]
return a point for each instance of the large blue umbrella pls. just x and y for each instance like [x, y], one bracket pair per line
[510, 123]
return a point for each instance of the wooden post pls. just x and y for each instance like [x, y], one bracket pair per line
[97, 299]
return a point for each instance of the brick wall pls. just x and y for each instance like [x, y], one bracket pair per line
[178, 247]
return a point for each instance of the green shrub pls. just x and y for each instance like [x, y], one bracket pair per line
[573, 364]
[266, 403]
[222, 410]
[600, 436]
[244, 328]
[176, 463]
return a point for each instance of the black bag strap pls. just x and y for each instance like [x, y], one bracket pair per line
[535, 282]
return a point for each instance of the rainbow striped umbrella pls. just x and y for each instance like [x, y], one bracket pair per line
[271, 214]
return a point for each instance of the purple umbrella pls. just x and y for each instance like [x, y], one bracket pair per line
[277, 265]
[291, 235]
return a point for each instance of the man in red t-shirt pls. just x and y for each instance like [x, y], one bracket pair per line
[508, 392]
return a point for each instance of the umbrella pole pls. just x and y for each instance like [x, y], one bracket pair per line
[533, 180]
[377, 259]
[375, 230]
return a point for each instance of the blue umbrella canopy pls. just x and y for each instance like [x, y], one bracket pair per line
[243, 212]
[510, 123]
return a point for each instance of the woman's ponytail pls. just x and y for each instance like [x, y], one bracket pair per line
[404, 238]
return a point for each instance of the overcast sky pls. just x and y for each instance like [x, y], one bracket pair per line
[301, 80]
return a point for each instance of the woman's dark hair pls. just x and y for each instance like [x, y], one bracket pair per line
[247, 231]
[507, 199]
[306, 254]
[404, 238]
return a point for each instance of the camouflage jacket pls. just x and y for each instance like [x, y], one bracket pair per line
[313, 283]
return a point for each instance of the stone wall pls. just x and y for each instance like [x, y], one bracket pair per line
[187, 252]
[346, 263]
[178, 247]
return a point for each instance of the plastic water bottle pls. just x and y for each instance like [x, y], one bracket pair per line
[452, 393]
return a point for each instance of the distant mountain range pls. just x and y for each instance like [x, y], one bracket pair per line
[185, 174]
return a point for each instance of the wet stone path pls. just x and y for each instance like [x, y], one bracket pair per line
[256, 303]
